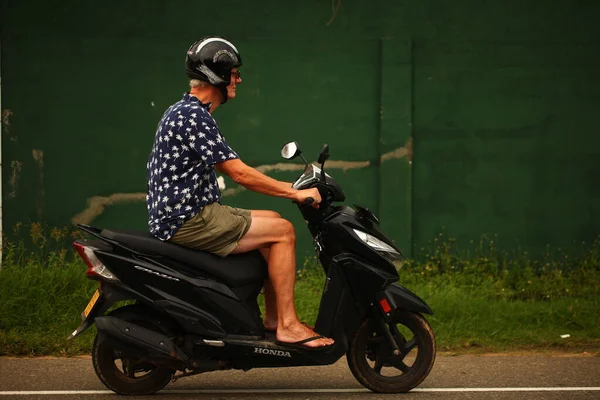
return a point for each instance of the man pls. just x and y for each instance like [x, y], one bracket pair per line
[184, 198]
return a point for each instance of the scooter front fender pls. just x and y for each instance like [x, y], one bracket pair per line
[401, 298]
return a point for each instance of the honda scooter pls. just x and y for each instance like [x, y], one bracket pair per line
[187, 312]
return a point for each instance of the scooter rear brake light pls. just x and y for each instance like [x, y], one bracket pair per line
[95, 266]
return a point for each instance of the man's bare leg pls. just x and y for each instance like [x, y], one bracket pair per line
[269, 293]
[270, 321]
[278, 235]
[270, 300]
[270, 307]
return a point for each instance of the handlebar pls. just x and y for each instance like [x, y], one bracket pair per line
[306, 202]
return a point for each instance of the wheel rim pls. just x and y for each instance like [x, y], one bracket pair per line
[131, 369]
[379, 358]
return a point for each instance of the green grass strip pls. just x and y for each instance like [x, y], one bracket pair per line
[482, 303]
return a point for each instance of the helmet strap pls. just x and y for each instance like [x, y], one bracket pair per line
[224, 93]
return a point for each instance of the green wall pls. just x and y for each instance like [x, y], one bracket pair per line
[473, 117]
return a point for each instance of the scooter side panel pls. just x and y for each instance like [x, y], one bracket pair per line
[332, 291]
[237, 317]
[159, 282]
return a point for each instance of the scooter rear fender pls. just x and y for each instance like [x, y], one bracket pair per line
[108, 297]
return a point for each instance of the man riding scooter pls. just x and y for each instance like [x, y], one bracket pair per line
[195, 310]
[184, 199]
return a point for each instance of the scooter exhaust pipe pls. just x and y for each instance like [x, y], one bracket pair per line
[149, 344]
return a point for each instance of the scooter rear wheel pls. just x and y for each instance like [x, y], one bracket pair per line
[372, 360]
[125, 374]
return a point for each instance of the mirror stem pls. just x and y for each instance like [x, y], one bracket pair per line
[304, 159]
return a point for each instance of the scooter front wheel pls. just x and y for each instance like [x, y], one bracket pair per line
[374, 362]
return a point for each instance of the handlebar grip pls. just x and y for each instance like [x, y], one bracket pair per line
[308, 201]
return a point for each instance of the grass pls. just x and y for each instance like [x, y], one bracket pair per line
[475, 315]
[486, 301]
[40, 306]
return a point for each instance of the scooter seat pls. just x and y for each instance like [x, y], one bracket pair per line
[236, 269]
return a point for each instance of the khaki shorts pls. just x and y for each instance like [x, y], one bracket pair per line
[216, 229]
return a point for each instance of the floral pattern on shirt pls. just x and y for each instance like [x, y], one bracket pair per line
[180, 168]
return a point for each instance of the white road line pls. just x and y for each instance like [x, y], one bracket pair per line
[510, 389]
[249, 391]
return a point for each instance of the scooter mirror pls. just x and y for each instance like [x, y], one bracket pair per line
[290, 150]
[324, 156]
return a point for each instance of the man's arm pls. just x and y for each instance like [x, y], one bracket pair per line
[256, 181]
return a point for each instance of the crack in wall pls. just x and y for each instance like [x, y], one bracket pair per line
[346, 165]
[38, 156]
[13, 181]
[400, 152]
[97, 204]
[335, 8]
[343, 165]
[233, 192]
[331, 164]
[6, 114]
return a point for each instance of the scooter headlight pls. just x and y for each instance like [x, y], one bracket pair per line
[376, 244]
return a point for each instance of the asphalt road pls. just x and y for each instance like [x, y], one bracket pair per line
[461, 377]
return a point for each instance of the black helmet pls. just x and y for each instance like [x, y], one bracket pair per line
[211, 59]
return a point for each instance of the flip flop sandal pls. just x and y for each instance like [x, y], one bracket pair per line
[301, 344]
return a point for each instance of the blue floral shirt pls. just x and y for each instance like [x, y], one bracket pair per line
[180, 168]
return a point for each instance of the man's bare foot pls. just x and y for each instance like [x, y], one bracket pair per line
[272, 326]
[298, 332]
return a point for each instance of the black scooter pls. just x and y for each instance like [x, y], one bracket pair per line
[194, 312]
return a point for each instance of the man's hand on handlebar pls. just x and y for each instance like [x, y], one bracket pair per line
[305, 197]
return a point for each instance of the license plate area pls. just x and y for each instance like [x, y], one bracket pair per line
[90, 306]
